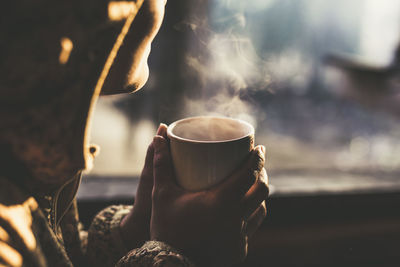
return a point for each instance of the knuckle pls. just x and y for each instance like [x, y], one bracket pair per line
[263, 211]
[252, 177]
[264, 176]
[267, 190]
[264, 189]
[258, 161]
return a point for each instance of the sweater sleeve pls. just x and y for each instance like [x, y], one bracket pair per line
[25, 237]
[106, 248]
[154, 254]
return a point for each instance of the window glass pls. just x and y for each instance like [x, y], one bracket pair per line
[264, 61]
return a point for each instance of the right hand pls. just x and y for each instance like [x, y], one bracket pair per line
[211, 227]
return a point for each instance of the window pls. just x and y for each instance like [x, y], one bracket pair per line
[263, 61]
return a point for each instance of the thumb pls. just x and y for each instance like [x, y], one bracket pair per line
[162, 164]
[143, 194]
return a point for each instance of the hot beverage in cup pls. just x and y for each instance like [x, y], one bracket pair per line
[206, 150]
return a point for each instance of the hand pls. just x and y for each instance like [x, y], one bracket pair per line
[135, 227]
[211, 227]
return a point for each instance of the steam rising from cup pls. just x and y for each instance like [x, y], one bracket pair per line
[225, 65]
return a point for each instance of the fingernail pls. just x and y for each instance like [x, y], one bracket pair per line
[260, 151]
[263, 149]
[161, 129]
[258, 160]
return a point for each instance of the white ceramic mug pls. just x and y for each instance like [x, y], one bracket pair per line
[206, 150]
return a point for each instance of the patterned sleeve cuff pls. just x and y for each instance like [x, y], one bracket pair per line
[105, 244]
[155, 254]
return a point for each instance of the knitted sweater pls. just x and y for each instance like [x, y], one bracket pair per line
[44, 230]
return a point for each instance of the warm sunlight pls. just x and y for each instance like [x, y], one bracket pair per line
[19, 218]
[120, 10]
[10, 255]
[66, 48]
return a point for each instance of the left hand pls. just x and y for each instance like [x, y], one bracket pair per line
[135, 227]
[212, 226]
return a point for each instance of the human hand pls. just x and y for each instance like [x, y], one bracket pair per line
[135, 227]
[211, 227]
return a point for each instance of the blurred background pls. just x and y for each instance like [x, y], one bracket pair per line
[264, 61]
[318, 80]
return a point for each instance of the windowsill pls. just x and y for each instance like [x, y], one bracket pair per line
[283, 184]
[295, 197]
[313, 220]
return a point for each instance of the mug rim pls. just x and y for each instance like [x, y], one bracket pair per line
[171, 127]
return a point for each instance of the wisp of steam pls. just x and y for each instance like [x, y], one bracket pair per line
[224, 61]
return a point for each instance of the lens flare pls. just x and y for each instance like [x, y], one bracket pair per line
[66, 48]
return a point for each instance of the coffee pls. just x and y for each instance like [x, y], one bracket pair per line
[206, 150]
[211, 129]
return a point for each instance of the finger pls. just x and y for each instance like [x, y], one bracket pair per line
[243, 244]
[255, 220]
[148, 163]
[147, 178]
[239, 183]
[147, 172]
[162, 130]
[162, 164]
[256, 195]
[143, 193]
